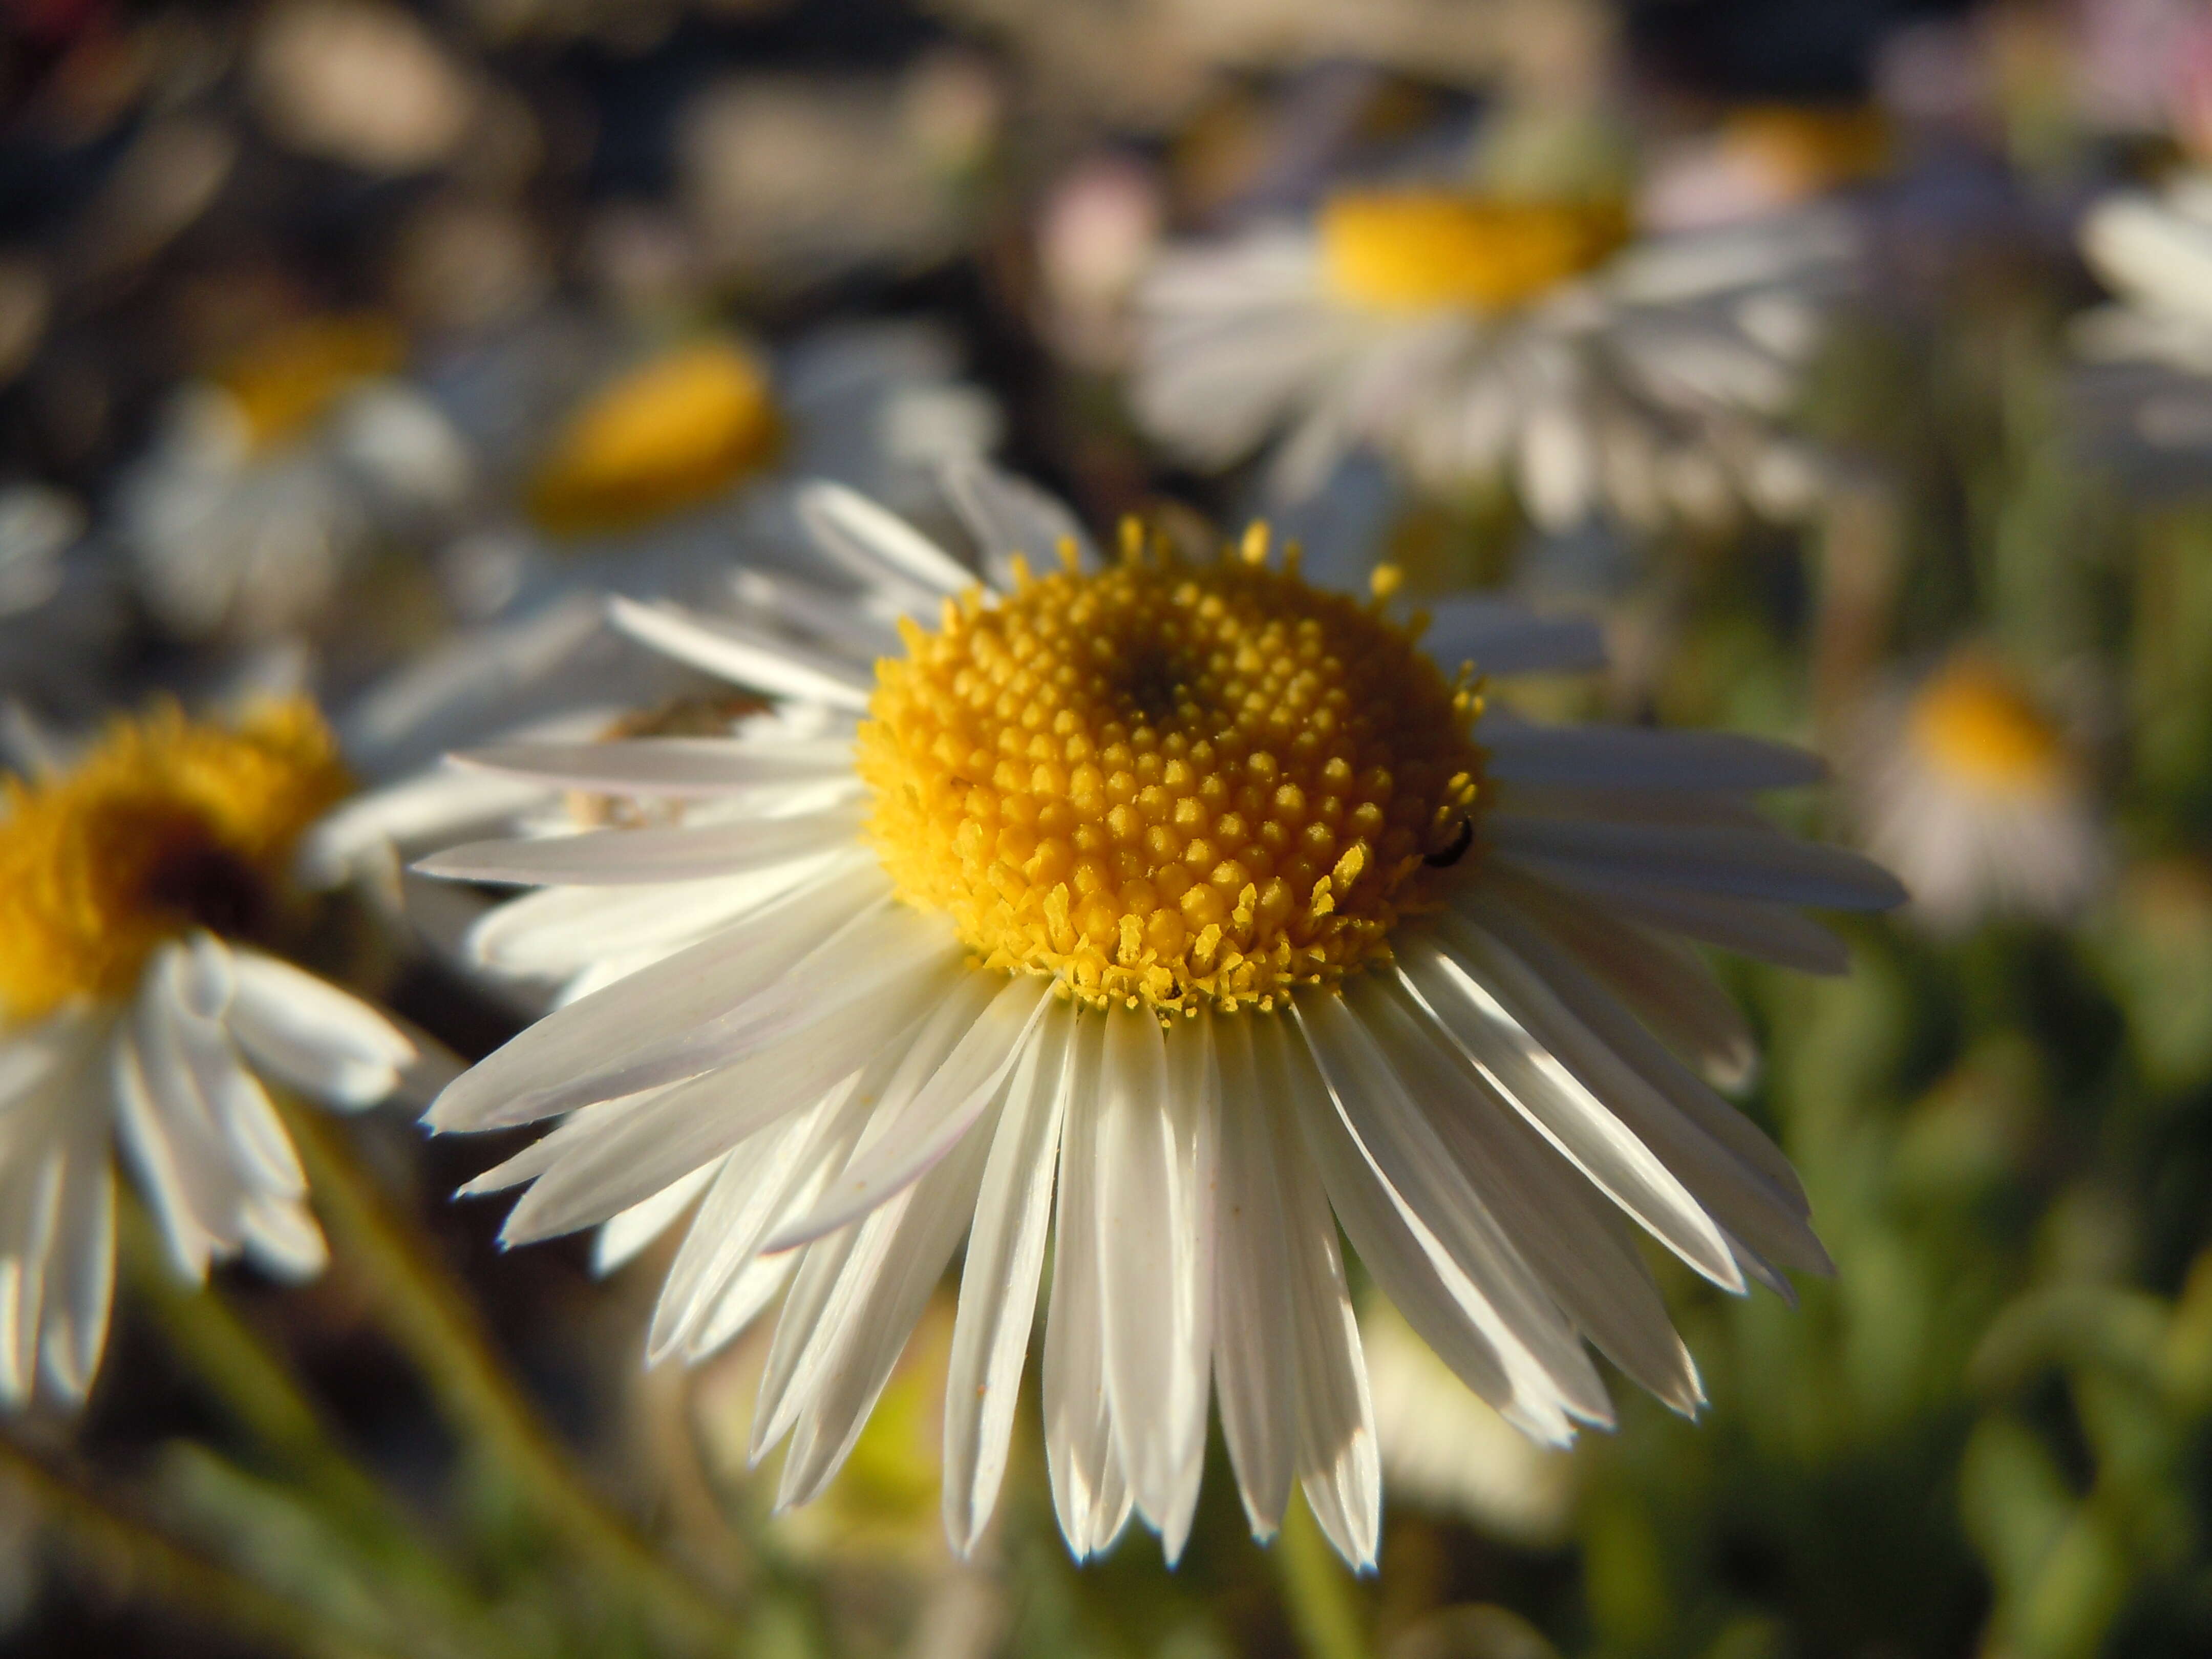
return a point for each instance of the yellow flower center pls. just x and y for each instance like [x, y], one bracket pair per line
[167, 825]
[1416, 250]
[672, 433]
[1169, 784]
[1971, 720]
[287, 381]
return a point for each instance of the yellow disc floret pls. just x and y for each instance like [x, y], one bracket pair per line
[1169, 784]
[1973, 722]
[672, 433]
[1417, 249]
[167, 824]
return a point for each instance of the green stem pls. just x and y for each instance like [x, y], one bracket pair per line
[425, 1312]
[150, 1565]
[264, 1398]
[1316, 1590]
[254, 1386]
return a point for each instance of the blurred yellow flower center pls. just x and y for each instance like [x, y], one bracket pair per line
[1811, 147]
[167, 824]
[669, 435]
[1972, 720]
[285, 382]
[1413, 250]
[1169, 784]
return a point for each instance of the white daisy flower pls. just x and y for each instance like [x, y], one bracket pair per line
[2145, 390]
[1180, 911]
[1478, 342]
[267, 484]
[134, 1012]
[646, 474]
[1973, 795]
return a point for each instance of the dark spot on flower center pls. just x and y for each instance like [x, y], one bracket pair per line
[212, 887]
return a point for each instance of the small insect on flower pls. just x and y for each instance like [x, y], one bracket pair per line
[1476, 341]
[1180, 910]
[139, 1003]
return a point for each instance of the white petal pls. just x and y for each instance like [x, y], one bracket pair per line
[281, 1237]
[1561, 1226]
[667, 766]
[878, 547]
[1767, 931]
[883, 955]
[1634, 758]
[1008, 515]
[1338, 1465]
[1567, 1113]
[1675, 992]
[1255, 1335]
[1155, 1158]
[1089, 1493]
[612, 857]
[752, 1189]
[1733, 1171]
[1411, 1158]
[80, 1271]
[912, 1130]
[314, 1036]
[745, 656]
[998, 1281]
[674, 1132]
[1750, 864]
[656, 1003]
[915, 1234]
[622, 1237]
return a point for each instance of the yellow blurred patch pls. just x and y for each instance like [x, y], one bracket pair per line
[672, 433]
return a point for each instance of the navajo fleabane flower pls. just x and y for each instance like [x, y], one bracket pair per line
[2144, 391]
[1181, 910]
[1978, 800]
[1474, 341]
[270, 480]
[135, 890]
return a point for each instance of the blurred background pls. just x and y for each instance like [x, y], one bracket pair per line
[304, 310]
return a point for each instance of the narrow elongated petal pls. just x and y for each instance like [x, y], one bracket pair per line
[998, 1282]
[681, 767]
[1565, 1112]
[1088, 1491]
[1254, 1333]
[1155, 1157]
[618, 857]
[1339, 1467]
[745, 656]
[662, 1002]
[1748, 863]
[1621, 758]
[879, 548]
[917, 1130]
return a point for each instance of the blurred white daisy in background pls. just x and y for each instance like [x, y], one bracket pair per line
[1483, 341]
[646, 473]
[139, 1010]
[2144, 392]
[267, 484]
[1761, 159]
[1181, 910]
[1975, 797]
